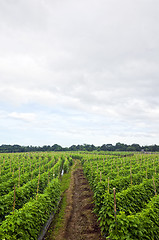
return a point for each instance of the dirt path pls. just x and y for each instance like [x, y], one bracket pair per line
[80, 222]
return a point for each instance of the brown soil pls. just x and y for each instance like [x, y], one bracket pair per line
[79, 221]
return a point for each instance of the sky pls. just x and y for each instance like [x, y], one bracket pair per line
[79, 72]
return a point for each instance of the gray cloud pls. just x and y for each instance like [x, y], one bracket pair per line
[96, 61]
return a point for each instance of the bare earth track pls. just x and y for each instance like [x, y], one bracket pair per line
[82, 223]
[79, 221]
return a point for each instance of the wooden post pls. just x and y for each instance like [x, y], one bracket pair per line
[23, 166]
[13, 172]
[38, 185]
[14, 200]
[108, 184]
[100, 176]
[91, 168]
[97, 173]
[115, 209]
[146, 173]
[40, 162]
[131, 176]
[114, 202]
[53, 172]
[131, 172]
[19, 178]
[103, 164]
[154, 186]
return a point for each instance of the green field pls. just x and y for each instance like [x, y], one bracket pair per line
[125, 187]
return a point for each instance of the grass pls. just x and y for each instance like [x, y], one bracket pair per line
[58, 222]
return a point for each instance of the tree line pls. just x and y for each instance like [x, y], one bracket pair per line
[4, 148]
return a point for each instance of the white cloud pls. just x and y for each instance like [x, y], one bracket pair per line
[28, 117]
[96, 61]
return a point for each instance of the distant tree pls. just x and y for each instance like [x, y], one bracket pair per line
[89, 147]
[85, 147]
[56, 148]
[131, 149]
[103, 147]
[73, 148]
[46, 148]
[137, 147]
[120, 147]
[107, 147]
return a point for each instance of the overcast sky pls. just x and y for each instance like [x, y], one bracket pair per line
[75, 72]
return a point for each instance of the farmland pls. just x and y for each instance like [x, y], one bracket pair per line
[124, 185]
[30, 192]
[125, 194]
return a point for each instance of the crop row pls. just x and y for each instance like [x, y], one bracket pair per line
[27, 222]
[10, 162]
[20, 179]
[25, 209]
[128, 193]
[28, 190]
[24, 164]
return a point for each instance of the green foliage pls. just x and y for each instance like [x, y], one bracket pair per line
[85, 147]
[27, 222]
[137, 210]
[143, 225]
[29, 214]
